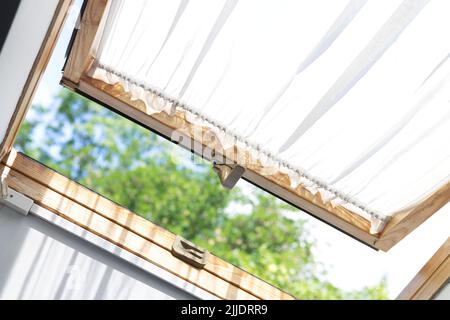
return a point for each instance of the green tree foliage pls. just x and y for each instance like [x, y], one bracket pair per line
[153, 178]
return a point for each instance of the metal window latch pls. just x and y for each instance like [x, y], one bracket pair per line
[189, 253]
[14, 199]
[229, 175]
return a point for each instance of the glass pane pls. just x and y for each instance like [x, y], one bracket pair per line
[179, 191]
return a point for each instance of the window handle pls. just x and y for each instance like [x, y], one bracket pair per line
[229, 174]
[189, 252]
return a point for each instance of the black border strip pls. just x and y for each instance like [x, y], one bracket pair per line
[7, 14]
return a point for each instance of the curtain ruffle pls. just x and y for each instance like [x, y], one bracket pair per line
[236, 148]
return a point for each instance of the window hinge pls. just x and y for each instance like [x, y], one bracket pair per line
[13, 199]
[229, 175]
[189, 253]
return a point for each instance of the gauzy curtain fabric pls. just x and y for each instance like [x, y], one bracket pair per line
[350, 97]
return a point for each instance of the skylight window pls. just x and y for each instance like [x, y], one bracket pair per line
[170, 186]
[337, 112]
[344, 127]
[357, 68]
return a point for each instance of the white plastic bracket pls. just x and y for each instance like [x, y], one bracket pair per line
[13, 199]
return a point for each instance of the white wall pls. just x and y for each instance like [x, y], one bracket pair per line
[19, 52]
[39, 260]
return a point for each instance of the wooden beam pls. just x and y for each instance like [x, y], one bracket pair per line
[121, 237]
[109, 212]
[407, 220]
[433, 275]
[35, 75]
[437, 280]
[82, 53]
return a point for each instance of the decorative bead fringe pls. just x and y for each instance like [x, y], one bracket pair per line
[282, 162]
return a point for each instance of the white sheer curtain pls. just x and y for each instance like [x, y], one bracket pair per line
[354, 95]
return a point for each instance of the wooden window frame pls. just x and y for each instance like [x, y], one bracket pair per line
[118, 225]
[431, 278]
[127, 230]
[81, 57]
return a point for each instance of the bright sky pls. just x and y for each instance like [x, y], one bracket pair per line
[350, 264]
